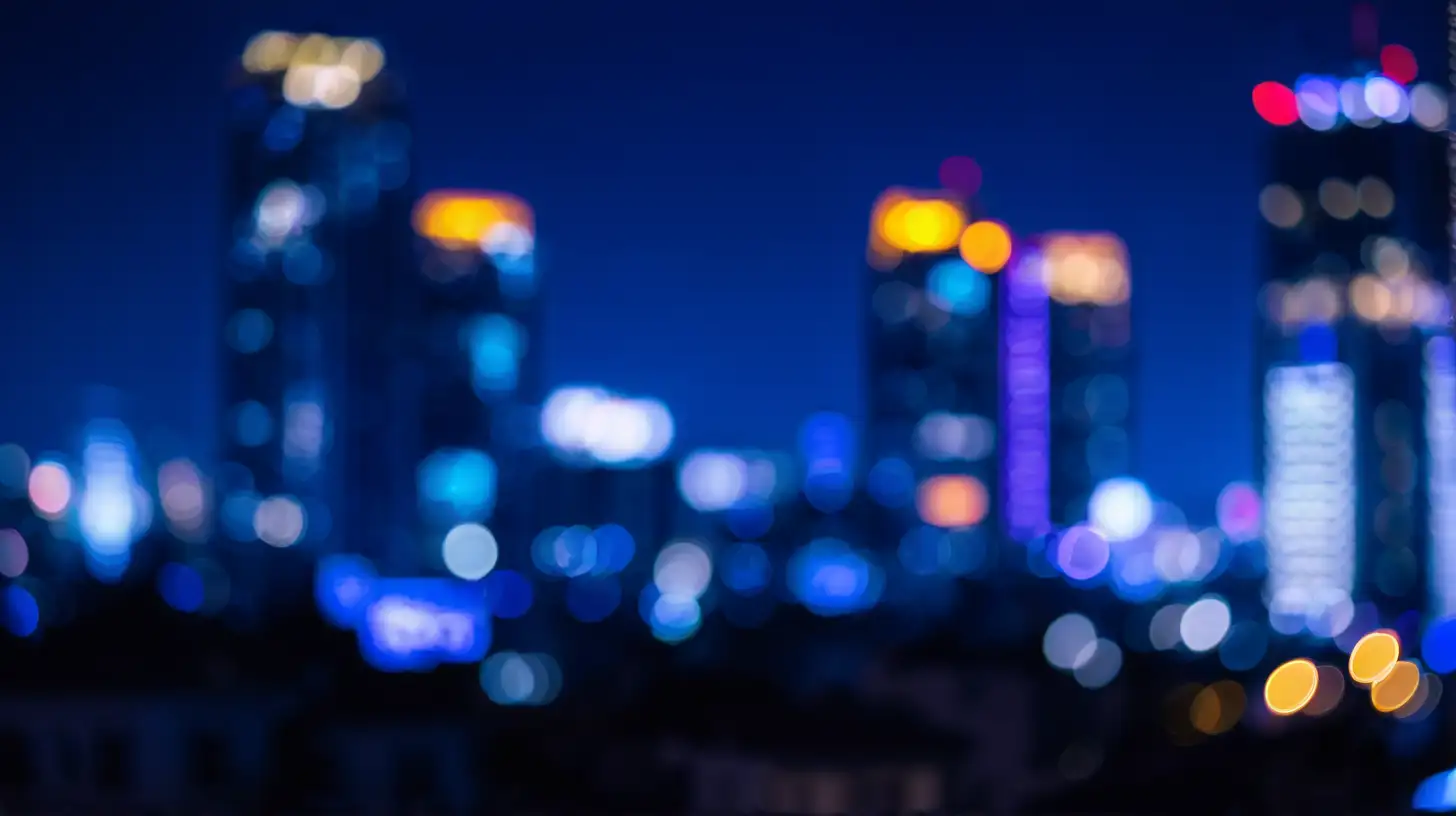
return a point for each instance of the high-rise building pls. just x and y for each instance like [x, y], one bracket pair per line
[1355, 234]
[476, 333]
[932, 355]
[317, 418]
[1067, 368]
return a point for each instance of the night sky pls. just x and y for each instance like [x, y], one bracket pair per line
[702, 176]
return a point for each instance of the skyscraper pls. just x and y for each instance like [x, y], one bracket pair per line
[932, 355]
[1089, 363]
[476, 331]
[320, 288]
[1351, 303]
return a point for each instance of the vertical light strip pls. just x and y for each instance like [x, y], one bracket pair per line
[1309, 412]
[1026, 391]
[1440, 377]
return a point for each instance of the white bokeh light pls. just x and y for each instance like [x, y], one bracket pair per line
[1204, 624]
[469, 551]
[1120, 509]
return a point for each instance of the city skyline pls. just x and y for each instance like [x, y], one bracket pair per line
[767, 309]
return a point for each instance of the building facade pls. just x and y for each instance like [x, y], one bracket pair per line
[1353, 342]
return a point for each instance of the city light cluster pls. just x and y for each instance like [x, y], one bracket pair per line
[1396, 293]
[318, 71]
[595, 425]
[1087, 269]
[1396, 687]
[1284, 207]
[905, 222]
[1324, 102]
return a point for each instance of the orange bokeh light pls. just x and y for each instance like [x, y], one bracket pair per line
[1086, 268]
[911, 222]
[454, 219]
[986, 246]
[952, 501]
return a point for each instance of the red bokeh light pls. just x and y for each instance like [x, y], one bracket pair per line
[1398, 63]
[1275, 103]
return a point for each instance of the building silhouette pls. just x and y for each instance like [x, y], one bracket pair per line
[316, 450]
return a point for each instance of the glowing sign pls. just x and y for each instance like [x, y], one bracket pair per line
[1309, 491]
[1026, 388]
[404, 624]
[1440, 376]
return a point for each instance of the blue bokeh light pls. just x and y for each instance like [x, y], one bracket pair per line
[830, 578]
[22, 611]
[457, 485]
[955, 287]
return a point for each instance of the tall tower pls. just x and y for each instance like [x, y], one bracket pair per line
[1351, 305]
[1090, 366]
[319, 293]
[932, 355]
[476, 333]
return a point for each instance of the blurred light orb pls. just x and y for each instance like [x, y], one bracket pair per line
[683, 570]
[1082, 554]
[961, 174]
[1281, 206]
[1438, 645]
[22, 611]
[457, 485]
[1069, 641]
[14, 554]
[711, 481]
[1100, 666]
[1399, 64]
[1396, 688]
[1204, 623]
[513, 679]
[1429, 106]
[953, 286]
[952, 501]
[508, 594]
[1318, 102]
[1275, 103]
[1291, 687]
[1385, 98]
[674, 619]
[1240, 512]
[909, 223]
[1374, 656]
[469, 551]
[50, 489]
[608, 428]
[1120, 509]
[279, 521]
[566, 552]
[829, 578]
[986, 246]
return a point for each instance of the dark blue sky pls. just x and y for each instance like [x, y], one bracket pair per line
[702, 176]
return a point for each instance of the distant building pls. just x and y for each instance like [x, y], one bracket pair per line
[472, 373]
[930, 439]
[317, 451]
[1355, 336]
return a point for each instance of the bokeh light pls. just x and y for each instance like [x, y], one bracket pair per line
[1291, 686]
[986, 246]
[1374, 656]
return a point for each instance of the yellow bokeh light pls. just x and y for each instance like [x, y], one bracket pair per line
[1281, 206]
[914, 223]
[461, 220]
[1290, 687]
[269, 52]
[1217, 708]
[952, 501]
[986, 246]
[1374, 656]
[1397, 687]
[1086, 269]
[275, 51]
